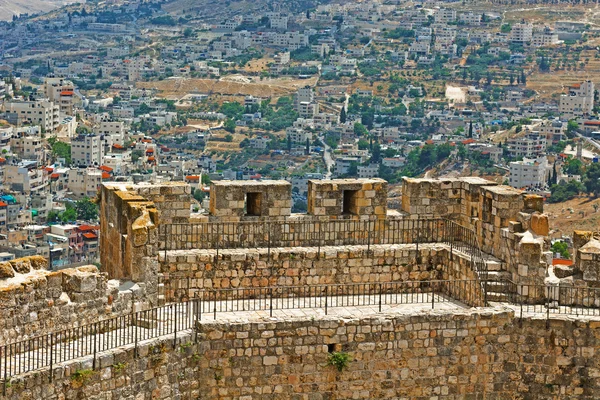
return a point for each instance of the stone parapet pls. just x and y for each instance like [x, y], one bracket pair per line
[448, 355]
[236, 200]
[350, 198]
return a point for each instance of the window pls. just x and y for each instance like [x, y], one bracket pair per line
[349, 201]
[253, 202]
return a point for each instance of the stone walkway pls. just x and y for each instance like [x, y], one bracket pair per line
[41, 352]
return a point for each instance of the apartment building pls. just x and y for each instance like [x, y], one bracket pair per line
[546, 37]
[84, 182]
[87, 150]
[61, 92]
[298, 135]
[579, 101]
[25, 177]
[531, 172]
[445, 15]
[521, 33]
[530, 145]
[44, 113]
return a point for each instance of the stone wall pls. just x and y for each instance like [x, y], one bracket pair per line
[186, 272]
[507, 223]
[128, 231]
[349, 198]
[485, 353]
[237, 200]
[35, 301]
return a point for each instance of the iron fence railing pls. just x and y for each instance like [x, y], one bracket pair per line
[316, 233]
[48, 350]
[45, 351]
[553, 299]
[214, 301]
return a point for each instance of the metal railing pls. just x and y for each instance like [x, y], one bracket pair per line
[46, 351]
[214, 301]
[315, 233]
[553, 299]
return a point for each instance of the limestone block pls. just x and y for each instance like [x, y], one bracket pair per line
[6, 270]
[21, 265]
[534, 202]
[79, 281]
[540, 225]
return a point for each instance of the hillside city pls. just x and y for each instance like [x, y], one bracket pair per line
[148, 91]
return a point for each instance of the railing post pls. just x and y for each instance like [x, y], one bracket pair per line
[175, 327]
[6, 347]
[418, 259]
[547, 306]
[217, 243]
[270, 302]
[326, 298]
[319, 241]
[368, 235]
[380, 290]
[135, 335]
[432, 296]
[269, 241]
[95, 345]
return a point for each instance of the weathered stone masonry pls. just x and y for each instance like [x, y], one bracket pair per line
[472, 354]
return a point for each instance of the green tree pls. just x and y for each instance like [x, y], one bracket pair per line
[360, 129]
[343, 115]
[561, 248]
[229, 125]
[573, 166]
[136, 155]
[376, 153]
[470, 129]
[187, 32]
[86, 209]
[69, 215]
[591, 179]
[572, 128]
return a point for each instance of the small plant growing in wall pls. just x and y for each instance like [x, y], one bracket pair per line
[81, 376]
[339, 360]
[119, 367]
[184, 346]
[196, 357]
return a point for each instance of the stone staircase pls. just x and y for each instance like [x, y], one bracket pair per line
[496, 282]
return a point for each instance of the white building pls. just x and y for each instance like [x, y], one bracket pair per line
[521, 33]
[297, 135]
[529, 172]
[579, 101]
[43, 113]
[87, 150]
[84, 182]
[530, 145]
[445, 15]
[547, 37]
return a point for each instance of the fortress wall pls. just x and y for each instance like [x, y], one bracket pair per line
[34, 301]
[187, 271]
[465, 354]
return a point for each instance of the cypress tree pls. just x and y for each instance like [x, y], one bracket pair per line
[343, 115]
